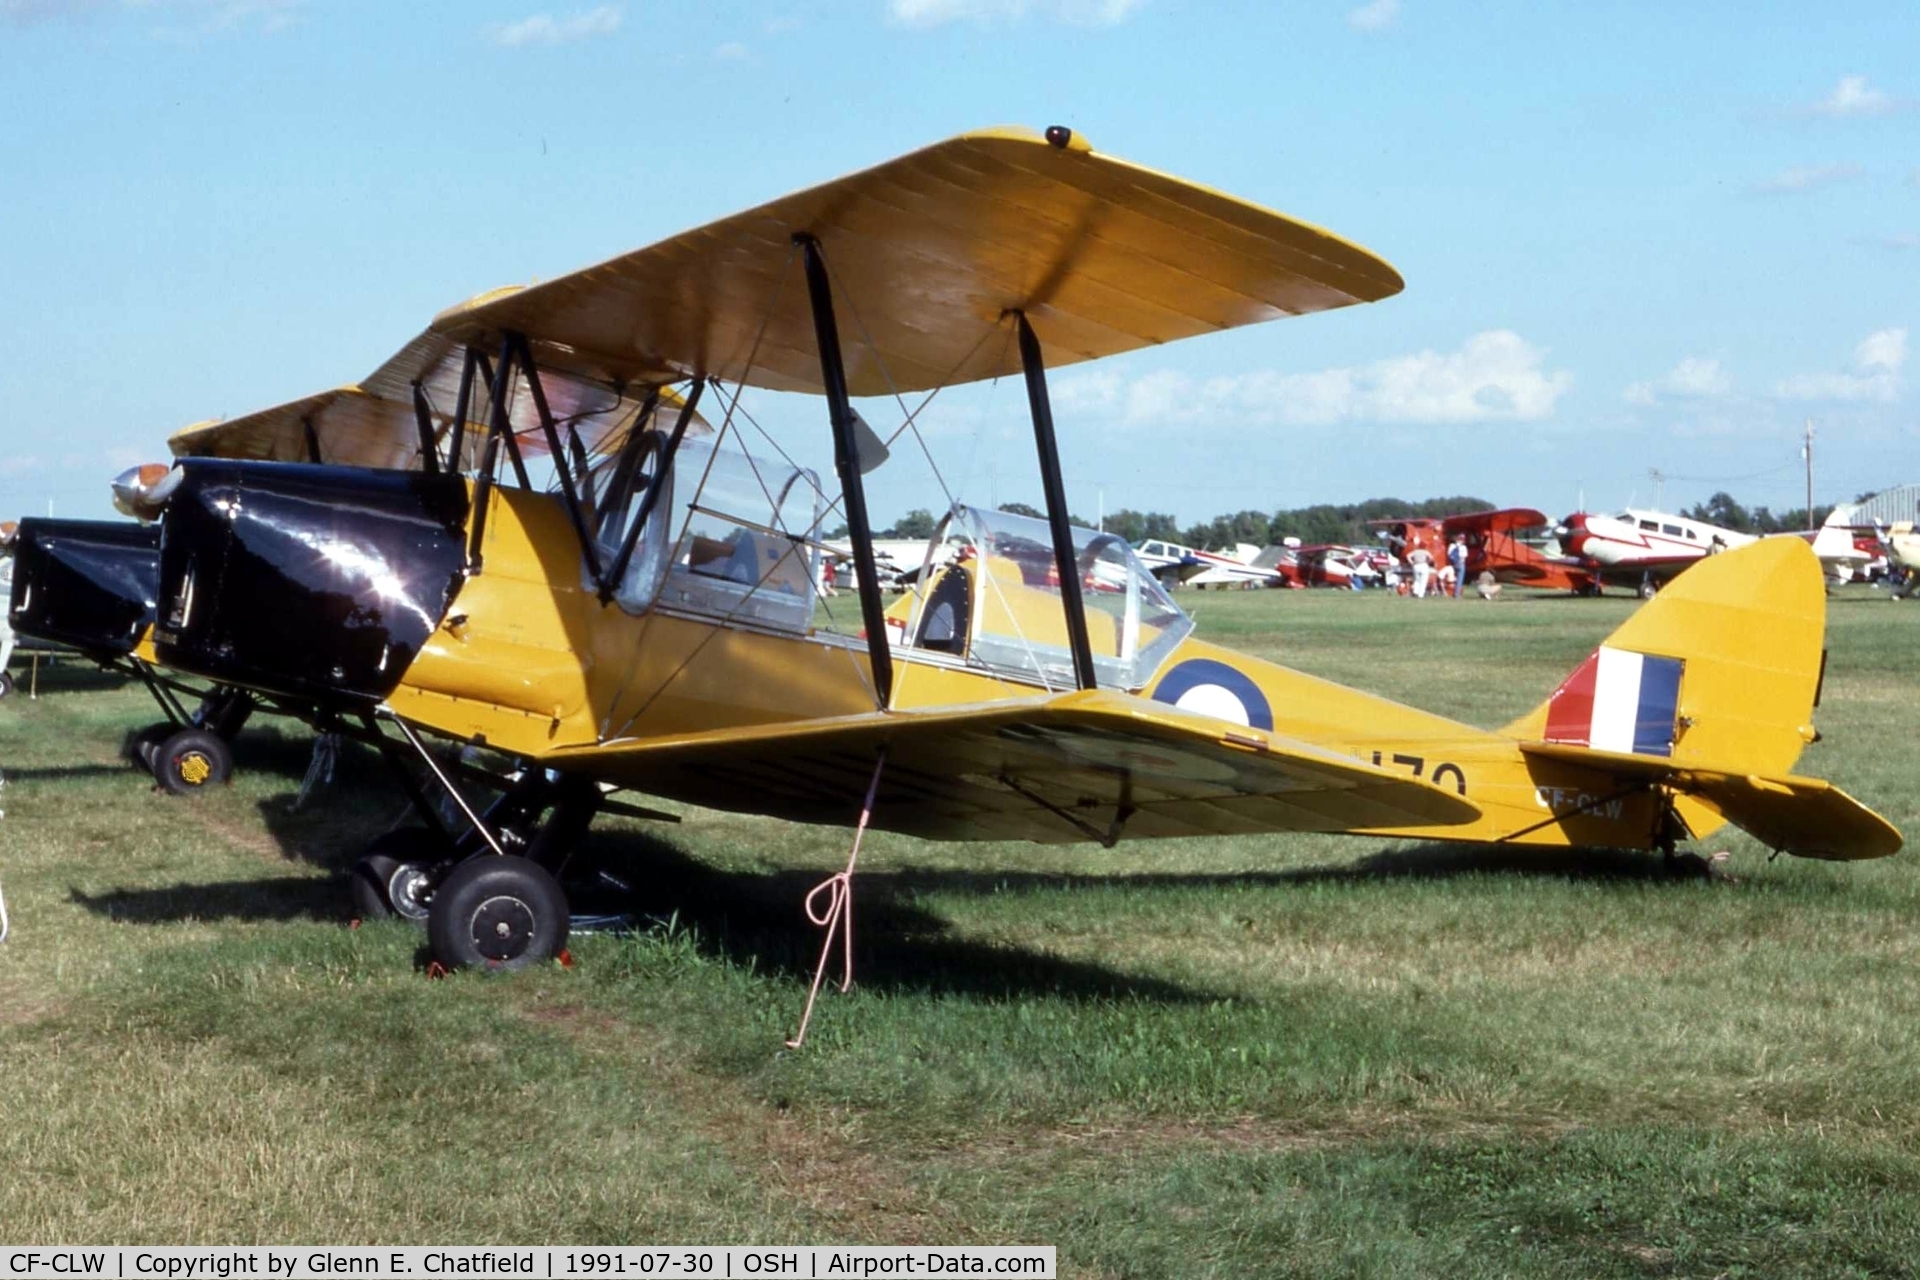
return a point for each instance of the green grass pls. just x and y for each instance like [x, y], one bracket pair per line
[1285, 1056]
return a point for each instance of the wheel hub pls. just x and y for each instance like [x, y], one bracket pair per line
[194, 767]
[501, 928]
[409, 889]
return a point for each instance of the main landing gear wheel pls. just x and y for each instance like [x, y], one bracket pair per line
[144, 742]
[497, 911]
[191, 760]
[395, 876]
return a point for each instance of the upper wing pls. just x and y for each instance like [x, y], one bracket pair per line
[929, 253]
[1076, 766]
[347, 426]
[1505, 521]
[1806, 816]
[373, 424]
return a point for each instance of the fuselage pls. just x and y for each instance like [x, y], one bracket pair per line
[1650, 540]
[1169, 561]
[1659, 544]
[524, 656]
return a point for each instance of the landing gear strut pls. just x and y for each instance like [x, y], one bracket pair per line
[489, 895]
[189, 753]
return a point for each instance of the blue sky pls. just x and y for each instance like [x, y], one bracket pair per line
[1634, 236]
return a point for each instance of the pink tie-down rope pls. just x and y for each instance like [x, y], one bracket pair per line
[837, 918]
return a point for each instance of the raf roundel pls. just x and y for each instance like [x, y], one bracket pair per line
[1215, 689]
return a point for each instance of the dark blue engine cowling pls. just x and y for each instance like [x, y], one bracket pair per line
[88, 583]
[315, 581]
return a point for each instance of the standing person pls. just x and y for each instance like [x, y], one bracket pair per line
[1457, 557]
[7, 532]
[1421, 561]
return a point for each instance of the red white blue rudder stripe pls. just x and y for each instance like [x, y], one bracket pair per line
[1618, 700]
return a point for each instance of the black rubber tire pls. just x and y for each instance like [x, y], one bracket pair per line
[191, 761]
[1648, 591]
[406, 859]
[142, 743]
[6, 683]
[497, 912]
[368, 887]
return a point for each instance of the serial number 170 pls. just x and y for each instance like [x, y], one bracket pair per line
[630, 1263]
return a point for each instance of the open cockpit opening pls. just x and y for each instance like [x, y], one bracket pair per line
[997, 604]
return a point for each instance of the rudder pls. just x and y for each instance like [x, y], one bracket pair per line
[1722, 666]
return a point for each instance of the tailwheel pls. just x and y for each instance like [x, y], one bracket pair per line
[190, 761]
[396, 875]
[497, 911]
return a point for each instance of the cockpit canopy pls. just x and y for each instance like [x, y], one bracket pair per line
[998, 604]
[738, 544]
[735, 539]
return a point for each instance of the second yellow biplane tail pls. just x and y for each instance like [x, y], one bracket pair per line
[1708, 690]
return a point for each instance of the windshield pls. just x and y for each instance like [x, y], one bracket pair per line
[1018, 621]
[728, 536]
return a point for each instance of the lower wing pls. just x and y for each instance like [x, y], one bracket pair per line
[1092, 765]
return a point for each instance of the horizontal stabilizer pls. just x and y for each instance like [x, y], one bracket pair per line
[1092, 765]
[1806, 816]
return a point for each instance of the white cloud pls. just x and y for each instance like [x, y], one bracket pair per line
[779, 26]
[1080, 13]
[544, 28]
[18, 465]
[1694, 378]
[179, 19]
[731, 51]
[1806, 178]
[1878, 365]
[1376, 15]
[1898, 240]
[1853, 96]
[21, 13]
[1495, 376]
[225, 15]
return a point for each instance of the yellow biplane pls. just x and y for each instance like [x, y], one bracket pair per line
[638, 607]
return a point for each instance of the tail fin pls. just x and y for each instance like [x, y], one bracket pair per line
[1833, 541]
[1708, 690]
[1720, 670]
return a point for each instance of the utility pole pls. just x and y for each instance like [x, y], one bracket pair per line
[1806, 451]
[1659, 479]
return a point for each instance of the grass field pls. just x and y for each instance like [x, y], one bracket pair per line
[1303, 1056]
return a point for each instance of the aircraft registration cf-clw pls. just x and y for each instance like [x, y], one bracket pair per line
[654, 620]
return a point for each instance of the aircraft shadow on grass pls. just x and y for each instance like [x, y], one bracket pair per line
[275, 898]
[755, 918]
[67, 675]
[60, 772]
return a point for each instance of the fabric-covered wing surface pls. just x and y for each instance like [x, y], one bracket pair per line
[372, 424]
[1058, 769]
[928, 253]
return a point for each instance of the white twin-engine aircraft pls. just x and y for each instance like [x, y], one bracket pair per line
[1643, 548]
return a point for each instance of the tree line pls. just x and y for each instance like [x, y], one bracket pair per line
[1343, 523]
[1722, 510]
[1325, 522]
